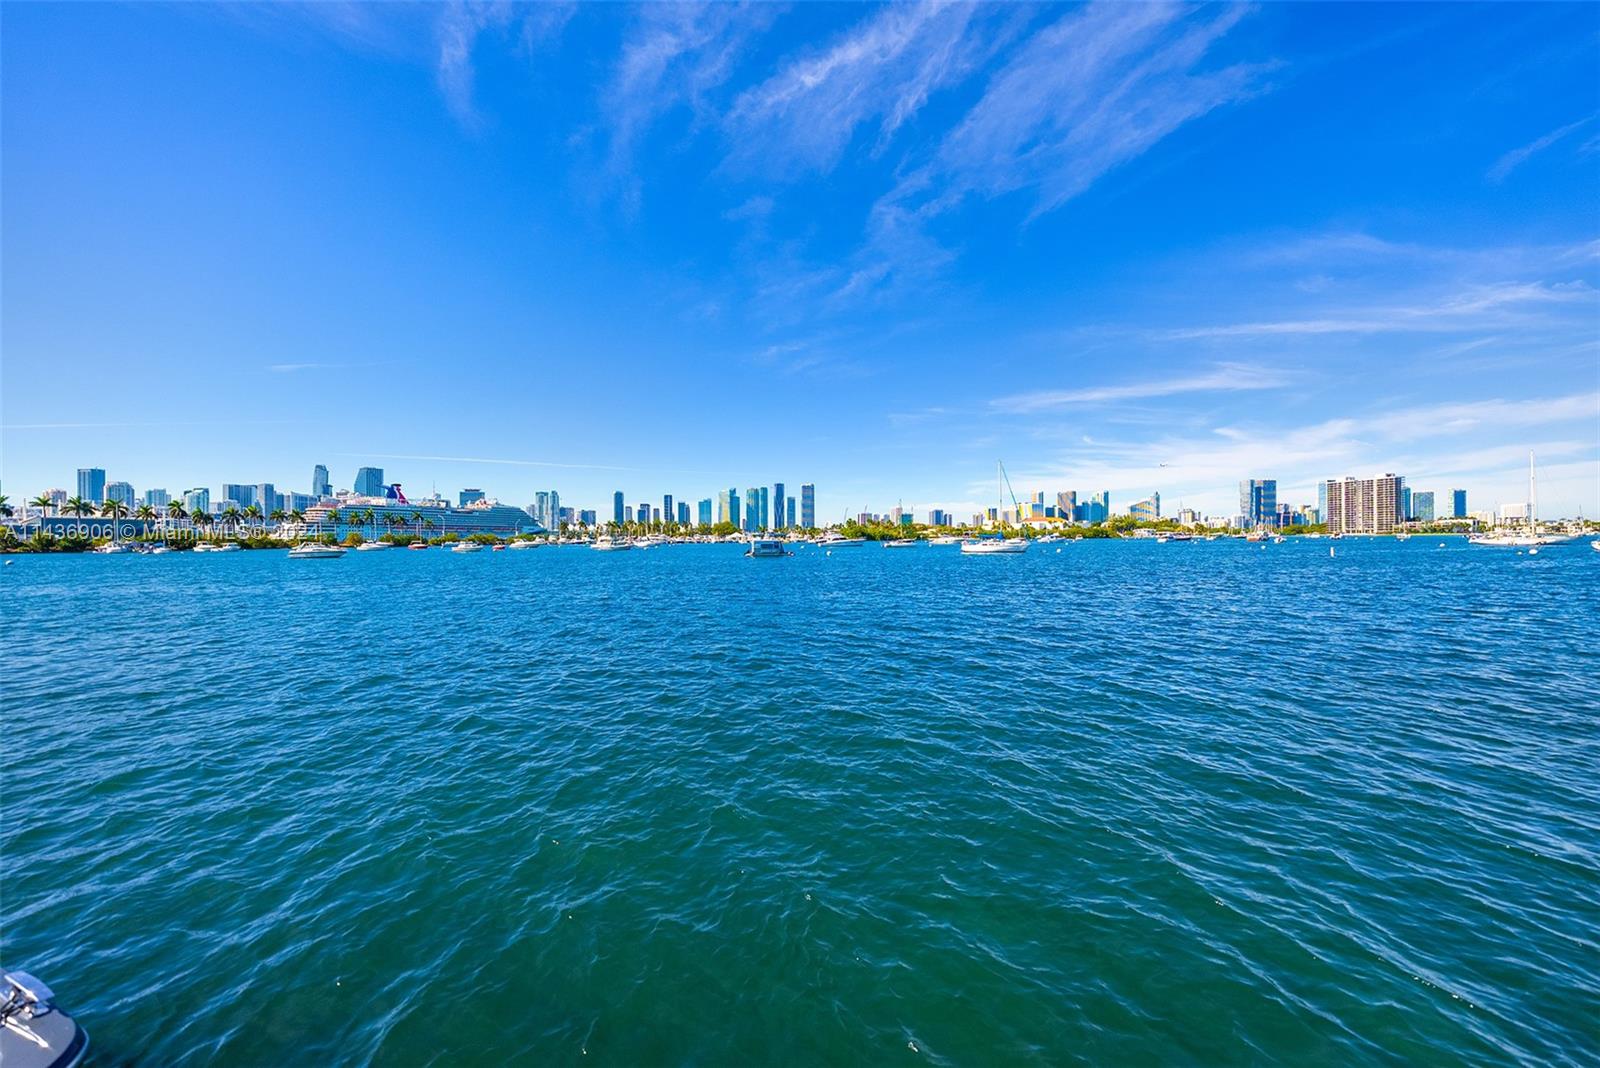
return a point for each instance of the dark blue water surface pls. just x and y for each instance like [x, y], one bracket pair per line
[1123, 803]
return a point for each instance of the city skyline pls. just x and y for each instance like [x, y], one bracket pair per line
[673, 247]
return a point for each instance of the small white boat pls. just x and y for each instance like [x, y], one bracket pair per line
[157, 550]
[227, 547]
[992, 546]
[466, 547]
[834, 540]
[763, 548]
[945, 539]
[1595, 545]
[900, 543]
[113, 548]
[374, 546]
[312, 550]
[526, 544]
[417, 545]
[608, 544]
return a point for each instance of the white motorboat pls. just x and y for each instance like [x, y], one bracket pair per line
[312, 550]
[157, 550]
[945, 539]
[1595, 545]
[900, 543]
[113, 548]
[992, 546]
[763, 548]
[35, 1032]
[466, 547]
[834, 540]
[524, 543]
[374, 546]
[607, 544]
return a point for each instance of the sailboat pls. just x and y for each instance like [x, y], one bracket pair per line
[1515, 539]
[991, 546]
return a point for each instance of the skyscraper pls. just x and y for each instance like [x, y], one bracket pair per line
[239, 493]
[683, 513]
[1258, 502]
[617, 510]
[1149, 509]
[706, 513]
[369, 482]
[728, 507]
[320, 485]
[121, 492]
[669, 513]
[197, 500]
[808, 506]
[1362, 505]
[788, 513]
[752, 508]
[92, 484]
[157, 498]
[266, 498]
[642, 512]
[1067, 504]
[777, 504]
[1458, 504]
[1405, 501]
[1422, 506]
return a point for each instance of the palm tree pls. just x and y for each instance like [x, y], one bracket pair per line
[252, 513]
[77, 506]
[372, 522]
[231, 516]
[278, 516]
[5, 506]
[115, 510]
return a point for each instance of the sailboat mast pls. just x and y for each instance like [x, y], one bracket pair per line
[1533, 498]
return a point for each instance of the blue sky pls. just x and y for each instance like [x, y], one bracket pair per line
[675, 248]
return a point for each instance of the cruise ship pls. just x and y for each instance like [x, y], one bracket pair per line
[431, 517]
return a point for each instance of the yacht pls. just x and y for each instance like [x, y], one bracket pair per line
[992, 546]
[312, 550]
[34, 1031]
[607, 544]
[761, 548]
[834, 540]
[417, 545]
[1518, 539]
[524, 543]
[466, 547]
[900, 543]
[374, 546]
[113, 548]
[157, 550]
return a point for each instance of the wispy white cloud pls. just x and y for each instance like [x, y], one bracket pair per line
[1223, 378]
[1474, 307]
[1518, 156]
[1092, 91]
[881, 71]
[673, 54]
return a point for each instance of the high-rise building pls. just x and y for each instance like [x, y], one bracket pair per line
[808, 506]
[587, 517]
[669, 513]
[240, 494]
[788, 513]
[469, 496]
[641, 514]
[1067, 504]
[766, 510]
[683, 513]
[197, 500]
[1458, 504]
[1405, 503]
[777, 504]
[369, 482]
[1258, 502]
[1147, 510]
[121, 492]
[92, 484]
[1422, 506]
[617, 508]
[728, 507]
[627, 513]
[320, 484]
[752, 509]
[1362, 505]
[157, 498]
[707, 514]
[267, 498]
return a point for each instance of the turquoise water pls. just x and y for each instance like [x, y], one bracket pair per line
[1123, 803]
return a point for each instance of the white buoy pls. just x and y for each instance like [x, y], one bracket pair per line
[1533, 552]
